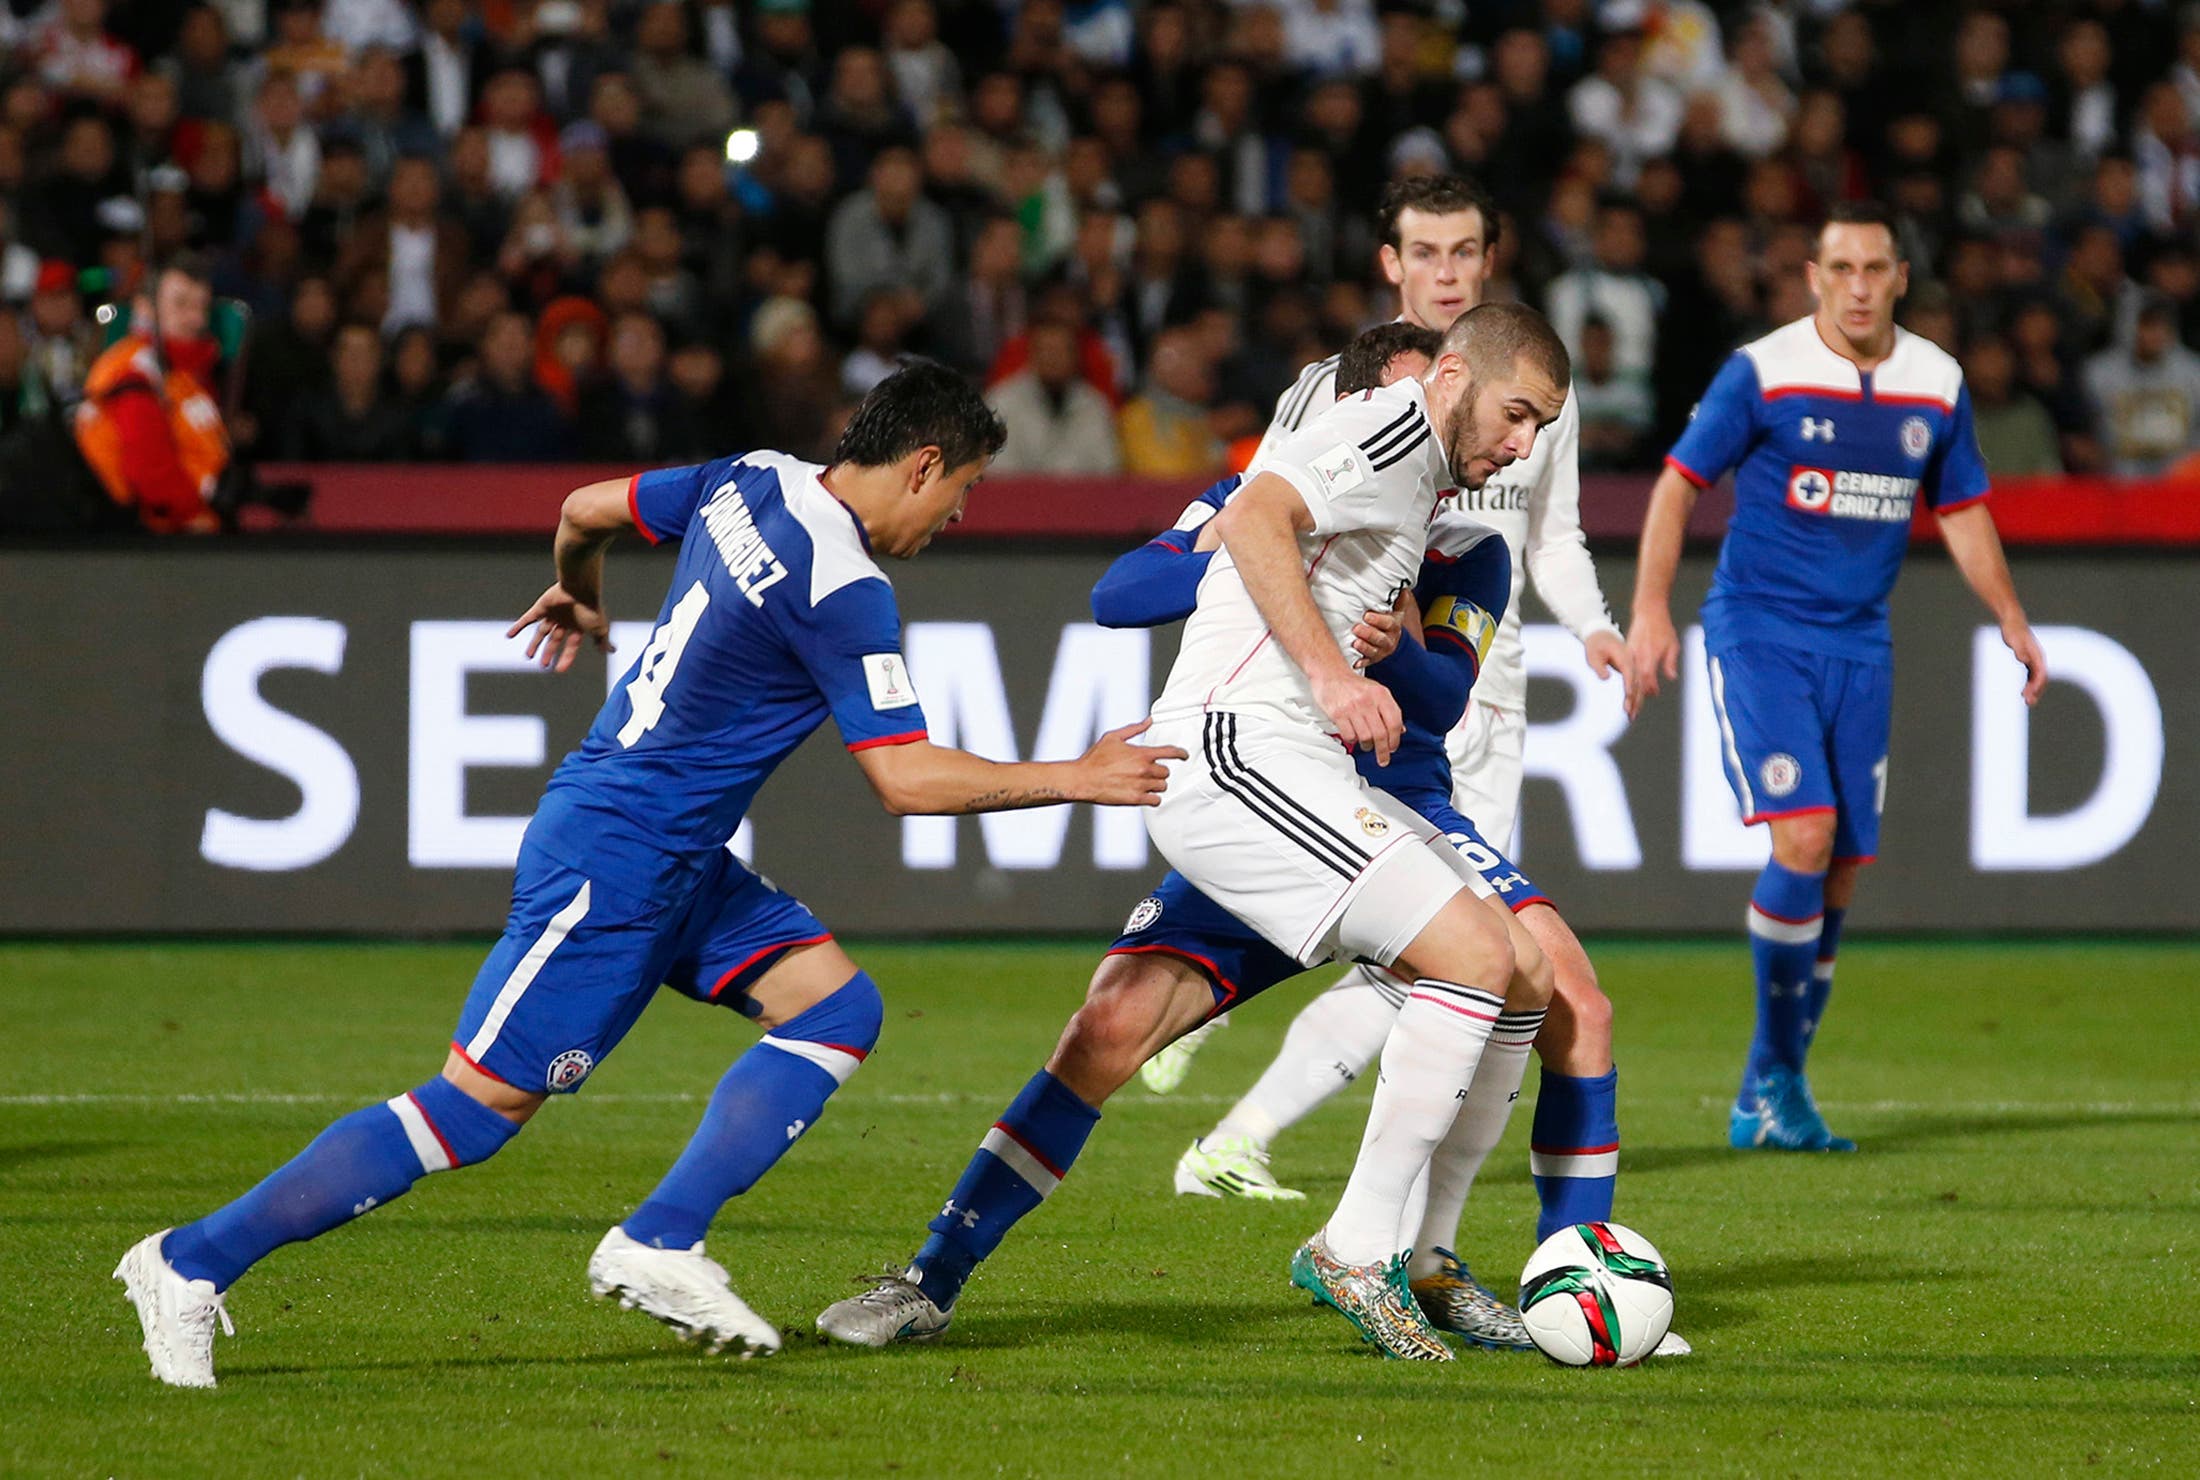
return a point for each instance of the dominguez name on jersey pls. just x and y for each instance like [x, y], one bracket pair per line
[1886, 498]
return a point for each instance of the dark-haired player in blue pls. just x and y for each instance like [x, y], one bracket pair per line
[1182, 958]
[778, 619]
[1834, 426]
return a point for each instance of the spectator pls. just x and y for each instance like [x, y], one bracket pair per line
[149, 426]
[290, 356]
[573, 46]
[2015, 433]
[78, 58]
[536, 259]
[709, 225]
[1755, 105]
[340, 200]
[797, 383]
[1616, 408]
[569, 349]
[683, 100]
[882, 338]
[2146, 395]
[377, 117]
[1057, 422]
[522, 139]
[422, 249]
[925, 73]
[2166, 148]
[889, 234]
[634, 414]
[208, 81]
[591, 207]
[2096, 298]
[471, 195]
[62, 342]
[1614, 288]
[65, 209]
[416, 386]
[986, 307]
[500, 414]
[724, 422]
[150, 140]
[2087, 112]
[445, 75]
[2035, 334]
[281, 153]
[299, 49]
[1164, 430]
[1635, 115]
[351, 419]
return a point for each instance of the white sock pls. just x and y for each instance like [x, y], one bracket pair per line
[1428, 1063]
[1474, 1134]
[1330, 1042]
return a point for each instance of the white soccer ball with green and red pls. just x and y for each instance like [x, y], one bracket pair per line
[1596, 1295]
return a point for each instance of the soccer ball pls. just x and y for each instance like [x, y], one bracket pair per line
[1596, 1295]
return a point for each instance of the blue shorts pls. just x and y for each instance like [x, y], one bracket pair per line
[1802, 732]
[1237, 960]
[579, 960]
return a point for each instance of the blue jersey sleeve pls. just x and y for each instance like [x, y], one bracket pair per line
[1718, 432]
[1957, 476]
[663, 500]
[1153, 585]
[851, 644]
[1462, 602]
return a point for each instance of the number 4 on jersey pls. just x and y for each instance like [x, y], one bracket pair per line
[653, 671]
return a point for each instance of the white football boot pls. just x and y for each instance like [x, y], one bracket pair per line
[1166, 1069]
[1230, 1166]
[1672, 1344]
[178, 1314]
[895, 1308]
[682, 1288]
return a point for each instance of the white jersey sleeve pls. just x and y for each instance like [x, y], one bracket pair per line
[1556, 554]
[1368, 463]
[1301, 401]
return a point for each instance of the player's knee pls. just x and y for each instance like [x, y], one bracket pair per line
[1804, 844]
[851, 1016]
[1533, 979]
[515, 1105]
[460, 1127]
[1588, 1011]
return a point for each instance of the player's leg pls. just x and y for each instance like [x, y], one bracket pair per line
[753, 948]
[1862, 718]
[561, 930]
[1775, 744]
[1136, 1003]
[1574, 1143]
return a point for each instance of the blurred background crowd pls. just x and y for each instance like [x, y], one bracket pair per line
[641, 230]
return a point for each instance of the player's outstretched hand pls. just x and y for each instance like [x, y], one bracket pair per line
[2026, 649]
[1365, 714]
[1653, 649]
[1607, 655]
[561, 620]
[1375, 637]
[1125, 775]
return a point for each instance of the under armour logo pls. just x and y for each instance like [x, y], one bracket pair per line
[967, 1217]
[797, 1129]
[1817, 429]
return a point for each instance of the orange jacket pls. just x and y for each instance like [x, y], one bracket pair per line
[160, 451]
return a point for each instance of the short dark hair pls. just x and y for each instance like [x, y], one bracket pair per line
[1864, 213]
[922, 404]
[1493, 338]
[188, 263]
[1361, 366]
[1435, 195]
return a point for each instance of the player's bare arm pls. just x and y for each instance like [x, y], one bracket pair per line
[1260, 528]
[1653, 645]
[572, 609]
[923, 779]
[1975, 546]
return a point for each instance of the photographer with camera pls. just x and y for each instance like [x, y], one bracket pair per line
[149, 426]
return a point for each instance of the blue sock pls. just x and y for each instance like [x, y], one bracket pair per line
[1821, 977]
[1786, 918]
[1021, 1160]
[1573, 1149]
[771, 1095]
[368, 1158]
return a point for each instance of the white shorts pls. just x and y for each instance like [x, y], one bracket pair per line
[1485, 749]
[1275, 825]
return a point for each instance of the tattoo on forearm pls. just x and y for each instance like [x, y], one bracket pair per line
[1009, 798]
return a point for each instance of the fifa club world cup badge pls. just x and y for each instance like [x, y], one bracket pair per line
[1143, 914]
[1781, 774]
[1917, 437]
[568, 1069]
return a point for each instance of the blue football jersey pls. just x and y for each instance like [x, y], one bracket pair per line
[1828, 463]
[777, 618]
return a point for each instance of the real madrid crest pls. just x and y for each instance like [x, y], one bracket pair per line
[1373, 823]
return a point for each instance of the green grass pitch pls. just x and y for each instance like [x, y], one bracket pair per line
[2003, 1282]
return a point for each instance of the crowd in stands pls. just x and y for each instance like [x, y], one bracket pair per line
[647, 231]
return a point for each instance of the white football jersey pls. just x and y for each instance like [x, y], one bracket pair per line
[1535, 504]
[1371, 471]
